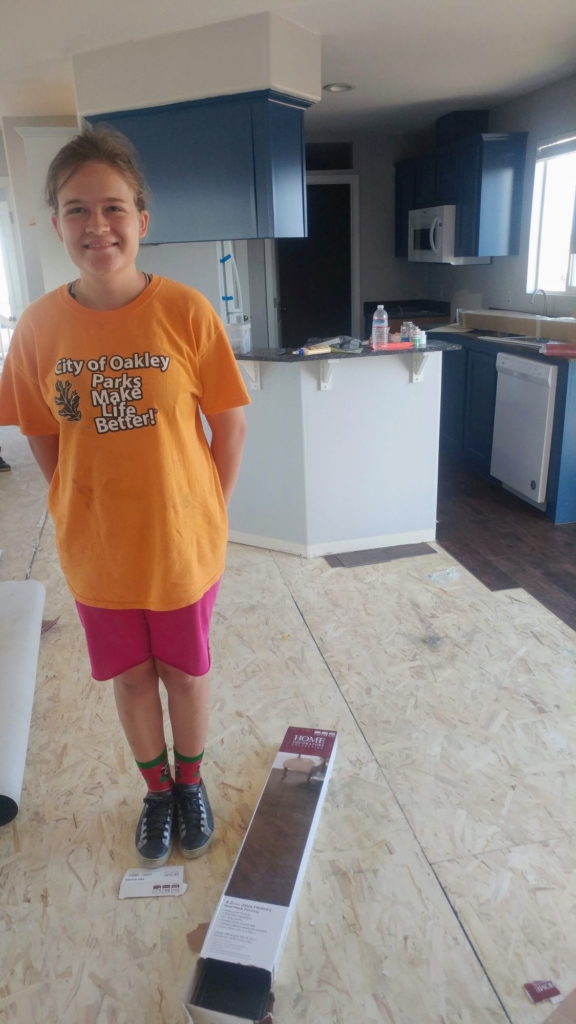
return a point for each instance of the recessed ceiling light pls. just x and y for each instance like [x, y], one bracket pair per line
[338, 87]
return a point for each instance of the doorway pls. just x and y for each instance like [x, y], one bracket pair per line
[318, 276]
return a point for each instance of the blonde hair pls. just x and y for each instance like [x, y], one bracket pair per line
[98, 144]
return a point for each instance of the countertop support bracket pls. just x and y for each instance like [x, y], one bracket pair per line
[253, 371]
[325, 374]
[419, 360]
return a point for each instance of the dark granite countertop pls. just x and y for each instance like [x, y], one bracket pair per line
[284, 355]
[511, 344]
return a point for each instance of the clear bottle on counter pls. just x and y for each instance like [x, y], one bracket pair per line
[405, 331]
[379, 337]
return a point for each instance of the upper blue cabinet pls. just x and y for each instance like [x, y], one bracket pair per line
[224, 168]
[483, 177]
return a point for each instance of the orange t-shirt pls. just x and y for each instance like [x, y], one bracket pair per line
[136, 499]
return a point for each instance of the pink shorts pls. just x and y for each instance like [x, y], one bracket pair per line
[120, 639]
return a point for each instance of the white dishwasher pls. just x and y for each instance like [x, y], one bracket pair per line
[525, 398]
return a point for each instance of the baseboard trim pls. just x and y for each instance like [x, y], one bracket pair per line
[337, 547]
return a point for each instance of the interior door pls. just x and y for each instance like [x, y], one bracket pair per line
[315, 272]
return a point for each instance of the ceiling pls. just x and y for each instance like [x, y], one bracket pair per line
[410, 60]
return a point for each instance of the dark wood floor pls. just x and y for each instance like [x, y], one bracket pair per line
[505, 542]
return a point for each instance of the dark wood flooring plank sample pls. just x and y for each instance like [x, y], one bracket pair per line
[270, 858]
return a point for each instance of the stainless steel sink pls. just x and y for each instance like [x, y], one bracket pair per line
[526, 342]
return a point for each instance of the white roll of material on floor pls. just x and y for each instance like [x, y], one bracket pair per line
[21, 607]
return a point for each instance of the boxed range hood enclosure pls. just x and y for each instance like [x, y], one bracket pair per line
[234, 977]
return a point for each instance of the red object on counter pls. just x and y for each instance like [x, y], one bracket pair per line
[564, 350]
[396, 346]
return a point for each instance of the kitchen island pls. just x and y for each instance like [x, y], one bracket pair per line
[341, 452]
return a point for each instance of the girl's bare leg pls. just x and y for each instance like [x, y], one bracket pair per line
[189, 708]
[138, 702]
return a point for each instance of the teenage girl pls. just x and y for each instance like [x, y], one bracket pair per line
[107, 377]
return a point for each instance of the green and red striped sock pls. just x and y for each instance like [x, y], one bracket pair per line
[187, 769]
[157, 773]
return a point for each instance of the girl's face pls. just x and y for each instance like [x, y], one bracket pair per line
[98, 221]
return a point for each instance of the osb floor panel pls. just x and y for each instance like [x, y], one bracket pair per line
[22, 505]
[442, 876]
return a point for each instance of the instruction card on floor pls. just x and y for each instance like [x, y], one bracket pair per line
[168, 881]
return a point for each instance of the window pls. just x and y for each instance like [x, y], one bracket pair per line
[552, 254]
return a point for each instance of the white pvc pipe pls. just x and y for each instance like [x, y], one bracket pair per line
[21, 606]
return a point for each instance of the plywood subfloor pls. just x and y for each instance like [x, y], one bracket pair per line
[22, 505]
[442, 874]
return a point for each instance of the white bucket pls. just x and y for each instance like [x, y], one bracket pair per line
[239, 336]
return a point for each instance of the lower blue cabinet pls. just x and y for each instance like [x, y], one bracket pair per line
[469, 381]
[480, 404]
[453, 402]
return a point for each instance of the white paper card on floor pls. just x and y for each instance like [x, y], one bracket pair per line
[167, 881]
[21, 607]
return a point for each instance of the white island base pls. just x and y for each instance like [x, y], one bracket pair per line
[341, 455]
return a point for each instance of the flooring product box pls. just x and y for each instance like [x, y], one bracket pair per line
[234, 978]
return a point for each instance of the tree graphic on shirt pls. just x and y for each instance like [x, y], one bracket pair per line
[68, 400]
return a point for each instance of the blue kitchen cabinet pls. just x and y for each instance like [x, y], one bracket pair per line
[469, 382]
[447, 166]
[453, 403]
[490, 178]
[280, 169]
[224, 168]
[483, 177]
[425, 181]
[480, 404]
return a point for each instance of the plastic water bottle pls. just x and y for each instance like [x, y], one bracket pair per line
[379, 328]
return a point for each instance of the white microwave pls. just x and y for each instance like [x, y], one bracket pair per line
[431, 237]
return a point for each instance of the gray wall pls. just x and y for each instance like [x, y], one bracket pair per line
[3, 164]
[382, 276]
[545, 113]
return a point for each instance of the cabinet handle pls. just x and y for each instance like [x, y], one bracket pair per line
[432, 233]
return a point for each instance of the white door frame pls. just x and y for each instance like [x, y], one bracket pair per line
[271, 259]
[9, 252]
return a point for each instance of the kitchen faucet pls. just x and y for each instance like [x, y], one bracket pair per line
[545, 294]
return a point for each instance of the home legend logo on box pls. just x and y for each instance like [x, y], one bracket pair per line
[311, 741]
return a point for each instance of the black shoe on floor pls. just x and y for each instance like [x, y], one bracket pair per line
[154, 831]
[195, 822]
[4, 467]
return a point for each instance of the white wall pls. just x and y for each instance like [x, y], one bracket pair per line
[545, 113]
[196, 265]
[42, 145]
[28, 252]
[261, 51]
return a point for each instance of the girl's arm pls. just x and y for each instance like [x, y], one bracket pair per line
[228, 433]
[45, 451]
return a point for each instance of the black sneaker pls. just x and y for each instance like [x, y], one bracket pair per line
[195, 822]
[4, 467]
[154, 840]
